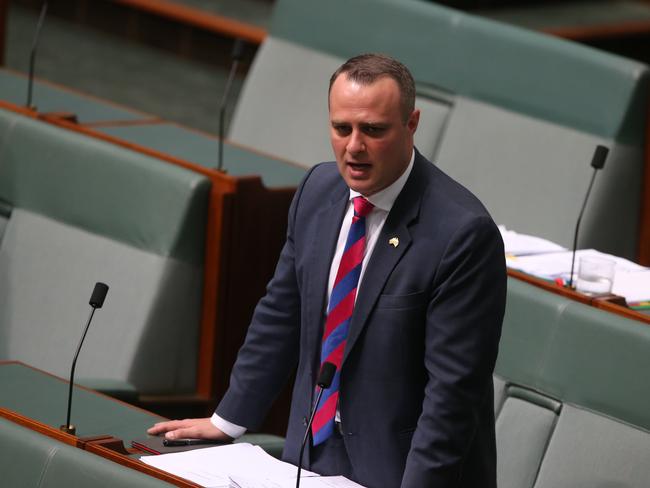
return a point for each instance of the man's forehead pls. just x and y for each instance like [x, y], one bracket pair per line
[345, 80]
[379, 95]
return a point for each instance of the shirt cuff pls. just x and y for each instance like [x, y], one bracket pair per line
[228, 428]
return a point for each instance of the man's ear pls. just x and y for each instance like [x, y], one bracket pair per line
[413, 121]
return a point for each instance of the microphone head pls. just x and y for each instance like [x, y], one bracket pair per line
[327, 372]
[238, 50]
[99, 294]
[600, 155]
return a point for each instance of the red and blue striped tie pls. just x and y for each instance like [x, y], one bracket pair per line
[339, 313]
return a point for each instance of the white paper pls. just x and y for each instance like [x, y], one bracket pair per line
[558, 265]
[213, 466]
[633, 285]
[310, 482]
[522, 244]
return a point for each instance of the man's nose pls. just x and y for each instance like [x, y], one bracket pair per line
[355, 144]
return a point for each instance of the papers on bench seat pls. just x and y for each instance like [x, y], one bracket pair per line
[239, 466]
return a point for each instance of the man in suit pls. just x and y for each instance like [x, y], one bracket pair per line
[416, 329]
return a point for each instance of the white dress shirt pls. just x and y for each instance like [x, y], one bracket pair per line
[383, 201]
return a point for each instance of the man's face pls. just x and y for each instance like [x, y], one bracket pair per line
[371, 141]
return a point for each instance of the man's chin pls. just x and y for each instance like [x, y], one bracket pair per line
[361, 187]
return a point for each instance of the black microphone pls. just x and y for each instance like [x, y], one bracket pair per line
[96, 301]
[236, 56]
[597, 162]
[327, 372]
[32, 54]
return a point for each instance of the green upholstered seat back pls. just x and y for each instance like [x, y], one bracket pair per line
[31, 460]
[85, 211]
[576, 407]
[575, 353]
[104, 189]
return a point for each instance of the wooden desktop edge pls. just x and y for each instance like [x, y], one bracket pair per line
[199, 18]
[94, 448]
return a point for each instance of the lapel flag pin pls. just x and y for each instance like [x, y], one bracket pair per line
[394, 241]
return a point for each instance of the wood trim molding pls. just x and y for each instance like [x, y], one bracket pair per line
[644, 221]
[4, 7]
[199, 18]
[602, 31]
[95, 448]
[39, 427]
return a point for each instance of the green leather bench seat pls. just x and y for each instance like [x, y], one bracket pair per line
[84, 211]
[512, 114]
[574, 403]
[32, 460]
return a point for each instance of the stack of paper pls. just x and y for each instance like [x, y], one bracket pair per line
[631, 280]
[634, 286]
[522, 245]
[307, 482]
[239, 466]
[558, 264]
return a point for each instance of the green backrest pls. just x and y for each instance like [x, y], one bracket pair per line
[575, 353]
[529, 327]
[598, 361]
[83, 210]
[32, 460]
[576, 410]
[104, 189]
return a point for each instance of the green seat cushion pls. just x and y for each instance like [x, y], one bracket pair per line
[591, 450]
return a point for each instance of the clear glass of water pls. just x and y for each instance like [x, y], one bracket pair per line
[595, 275]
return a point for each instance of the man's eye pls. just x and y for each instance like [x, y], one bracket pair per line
[373, 130]
[342, 130]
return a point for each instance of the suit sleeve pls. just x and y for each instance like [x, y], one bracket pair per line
[462, 330]
[271, 348]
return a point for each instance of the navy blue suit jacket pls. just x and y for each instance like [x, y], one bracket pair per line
[416, 381]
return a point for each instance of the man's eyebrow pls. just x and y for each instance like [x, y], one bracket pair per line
[374, 124]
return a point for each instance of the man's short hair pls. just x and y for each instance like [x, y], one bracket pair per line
[368, 68]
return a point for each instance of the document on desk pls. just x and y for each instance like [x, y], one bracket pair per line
[634, 285]
[558, 264]
[516, 244]
[212, 467]
[308, 482]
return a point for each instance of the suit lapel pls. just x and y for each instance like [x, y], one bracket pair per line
[385, 256]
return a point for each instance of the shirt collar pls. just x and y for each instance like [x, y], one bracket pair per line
[385, 198]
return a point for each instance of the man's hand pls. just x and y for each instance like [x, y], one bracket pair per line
[189, 429]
